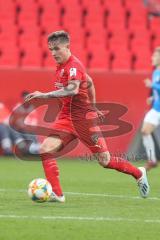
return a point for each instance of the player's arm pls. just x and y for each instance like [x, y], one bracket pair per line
[91, 90]
[92, 96]
[149, 84]
[70, 90]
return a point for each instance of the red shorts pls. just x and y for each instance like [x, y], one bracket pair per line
[86, 131]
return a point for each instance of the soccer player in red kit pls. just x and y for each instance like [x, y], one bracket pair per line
[77, 101]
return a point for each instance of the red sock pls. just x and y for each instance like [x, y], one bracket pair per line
[124, 166]
[52, 173]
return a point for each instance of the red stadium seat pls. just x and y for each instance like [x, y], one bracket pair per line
[104, 34]
[7, 7]
[50, 27]
[116, 22]
[141, 62]
[135, 18]
[122, 59]
[29, 35]
[32, 57]
[94, 40]
[91, 4]
[26, 11]
[48, 62]
[47, 2]
[99, 60]
[140, 40]
[68, 17]
[46, 30]
[116, 4]
[28, 16]
[94, 15]
[135, 4]
[154, 23]
[154, 33]
[77, 34]
[8, 33]
[51, 12]
[119, 49]
[79, 51]
[8, 55]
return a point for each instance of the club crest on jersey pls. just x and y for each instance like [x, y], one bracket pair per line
[62, 72]
[95, 138]
[73, 72]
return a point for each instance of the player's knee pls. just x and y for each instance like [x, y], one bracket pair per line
[145, 131]
[51, 146]
[104, 159]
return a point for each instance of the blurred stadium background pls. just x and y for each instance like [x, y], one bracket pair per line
[114, 39]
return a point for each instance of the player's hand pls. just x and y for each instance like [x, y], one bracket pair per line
[148, 83]
[149, 100]
[101, 115]
[33, 95]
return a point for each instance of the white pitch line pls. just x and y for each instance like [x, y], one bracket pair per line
[12, 190]
[89, 194]
[110, 195]
[78, 218]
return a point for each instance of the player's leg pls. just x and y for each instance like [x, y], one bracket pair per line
[97, 144]
[49, 147]
[18, 140]
[117, 163]
[149, 125]
[99, 149]
[124, 166]
[35, 145]
[5, 140]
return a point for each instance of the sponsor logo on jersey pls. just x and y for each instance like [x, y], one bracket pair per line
[72, 72]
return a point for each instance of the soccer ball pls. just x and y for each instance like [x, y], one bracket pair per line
[39, 190]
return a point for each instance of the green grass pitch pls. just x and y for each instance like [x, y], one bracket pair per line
[100, 204]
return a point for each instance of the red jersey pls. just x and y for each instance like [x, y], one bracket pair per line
[71, 70]
[73, 121]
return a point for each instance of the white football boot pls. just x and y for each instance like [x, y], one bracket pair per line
[143, 184]
[55, 198]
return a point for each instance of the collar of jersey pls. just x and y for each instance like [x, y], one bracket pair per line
[65, 63]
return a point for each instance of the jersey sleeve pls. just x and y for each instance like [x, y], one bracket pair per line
[156, 82]
[156, 86]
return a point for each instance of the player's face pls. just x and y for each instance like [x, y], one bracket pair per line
[156, 59]
[60, 51]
